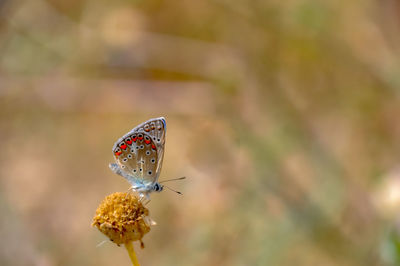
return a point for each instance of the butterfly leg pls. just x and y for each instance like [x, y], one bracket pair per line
[144, 198]
[145, 202]
[141, 197]
[131, 190]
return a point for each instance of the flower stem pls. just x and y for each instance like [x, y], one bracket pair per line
[131, 252]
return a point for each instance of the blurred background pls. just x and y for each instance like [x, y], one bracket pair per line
[284, 116]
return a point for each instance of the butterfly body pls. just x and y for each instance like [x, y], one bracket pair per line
[139, 154]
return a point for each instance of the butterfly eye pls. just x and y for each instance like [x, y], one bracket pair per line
[140, 135]
[147, 152]
[146, 138]
[152, 125]
[125, 160]
[128, 139]
[146, 127]
[153, 160]
[149, 172]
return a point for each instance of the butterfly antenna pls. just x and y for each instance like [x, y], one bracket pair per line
[176, 191]
[173, 179]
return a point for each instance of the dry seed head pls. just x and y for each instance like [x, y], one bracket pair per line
[122, 217]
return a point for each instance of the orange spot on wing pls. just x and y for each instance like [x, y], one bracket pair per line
[124, 146]
[147, 141]
[153, 146]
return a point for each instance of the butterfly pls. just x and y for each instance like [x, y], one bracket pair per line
[139, 155]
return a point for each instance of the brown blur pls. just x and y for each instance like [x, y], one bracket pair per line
[284, 116]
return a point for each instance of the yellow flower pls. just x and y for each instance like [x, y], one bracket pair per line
[122, 218]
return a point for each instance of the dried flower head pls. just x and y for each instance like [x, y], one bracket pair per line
[123, 218]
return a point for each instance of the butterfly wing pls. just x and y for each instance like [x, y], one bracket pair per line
[140, 152]
[155, 128]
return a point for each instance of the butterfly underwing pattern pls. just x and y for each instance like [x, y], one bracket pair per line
[139, 154]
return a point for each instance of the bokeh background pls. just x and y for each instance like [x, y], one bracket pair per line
[284, 116]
